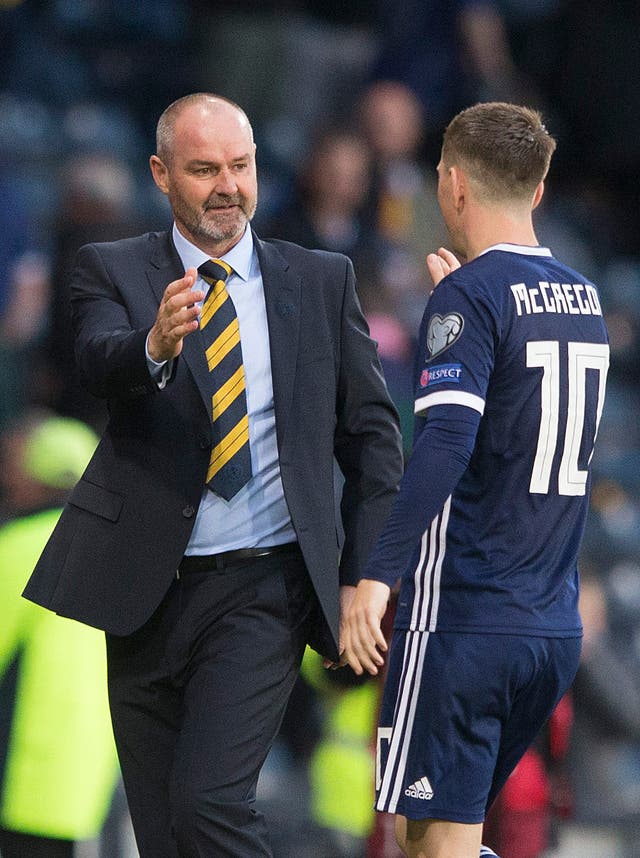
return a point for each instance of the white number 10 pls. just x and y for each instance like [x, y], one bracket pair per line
[581, 356]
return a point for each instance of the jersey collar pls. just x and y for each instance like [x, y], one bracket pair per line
[525, 249]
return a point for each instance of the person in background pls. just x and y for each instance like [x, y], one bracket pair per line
[403, 200]
[486, 529]
[393, 122]
[329, 206]
[58, 765]
[332, 209]
[97, 203]
[203, 535]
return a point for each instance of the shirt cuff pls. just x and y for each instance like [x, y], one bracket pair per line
[159, 372]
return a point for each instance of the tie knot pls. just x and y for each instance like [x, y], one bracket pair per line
[214, 269]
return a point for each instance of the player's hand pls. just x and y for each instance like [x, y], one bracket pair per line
[177, 316]
[363, 640]
[347, 594]
[440, 264]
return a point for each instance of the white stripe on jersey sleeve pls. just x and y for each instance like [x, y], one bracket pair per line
[449, 397]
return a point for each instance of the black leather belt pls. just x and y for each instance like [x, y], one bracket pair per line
[211, 562]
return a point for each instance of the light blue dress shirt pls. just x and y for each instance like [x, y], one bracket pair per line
[258, 515]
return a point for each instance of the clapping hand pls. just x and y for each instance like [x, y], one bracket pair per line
[440, 264]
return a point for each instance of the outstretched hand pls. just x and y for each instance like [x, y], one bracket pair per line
[441, 263]
[177, 316]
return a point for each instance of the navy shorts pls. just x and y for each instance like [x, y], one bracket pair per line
[458, 712]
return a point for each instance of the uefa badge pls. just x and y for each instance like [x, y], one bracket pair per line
[442, 332]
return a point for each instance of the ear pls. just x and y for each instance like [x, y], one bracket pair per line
[537, 195]
[458, 187]
[159, 173]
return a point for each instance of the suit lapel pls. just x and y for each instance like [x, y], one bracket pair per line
[166, 266]
[282, 299]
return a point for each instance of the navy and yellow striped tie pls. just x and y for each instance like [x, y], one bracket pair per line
[230, 463]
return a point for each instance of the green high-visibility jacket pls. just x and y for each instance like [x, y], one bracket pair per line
[58, 766]
[341, 769]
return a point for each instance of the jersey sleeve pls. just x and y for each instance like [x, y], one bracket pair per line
[457, 346]
[440, 457]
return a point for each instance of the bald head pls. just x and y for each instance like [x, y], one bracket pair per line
[196, 106]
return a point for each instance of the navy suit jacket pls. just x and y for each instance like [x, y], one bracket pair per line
[126, 525]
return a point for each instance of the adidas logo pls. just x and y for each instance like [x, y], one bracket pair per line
[420, 789]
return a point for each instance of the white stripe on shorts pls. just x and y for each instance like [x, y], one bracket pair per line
[404, 716]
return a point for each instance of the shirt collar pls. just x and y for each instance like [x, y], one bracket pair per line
[239, 257]
[527, 250]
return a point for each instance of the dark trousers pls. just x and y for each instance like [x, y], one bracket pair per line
[13, 844]
[197, 696]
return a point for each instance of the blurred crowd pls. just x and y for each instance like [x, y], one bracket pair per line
[348, 104]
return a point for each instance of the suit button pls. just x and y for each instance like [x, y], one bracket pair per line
[204, 444]
[188, 512]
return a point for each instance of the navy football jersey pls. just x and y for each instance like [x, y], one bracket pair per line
[520, 339]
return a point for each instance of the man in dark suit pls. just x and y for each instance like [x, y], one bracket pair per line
[203, 535]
